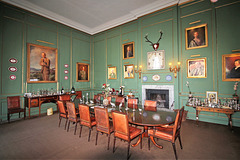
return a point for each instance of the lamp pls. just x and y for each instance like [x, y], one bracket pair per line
[139, 70]
[175, 69]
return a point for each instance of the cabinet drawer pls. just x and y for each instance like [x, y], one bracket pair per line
[34, 102]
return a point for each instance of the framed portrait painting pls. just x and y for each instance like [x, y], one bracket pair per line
[129, 71]
[41, 64]
[156, 60]
[196, 37]
[196, 68]
[82, 72]
[212, 96]
[231, 67]
[112, 72]
[128, 50]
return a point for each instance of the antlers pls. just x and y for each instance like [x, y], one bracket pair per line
[160, 36]
[147, 40]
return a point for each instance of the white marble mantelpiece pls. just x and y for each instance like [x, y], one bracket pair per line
[159, 87]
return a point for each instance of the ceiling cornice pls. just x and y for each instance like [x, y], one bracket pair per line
[135, 14]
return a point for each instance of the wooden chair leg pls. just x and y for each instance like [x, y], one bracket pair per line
[68, 126]
[141, 141]
[19, 114]
[174, 149]
[96, 138]
[75, 128]
[180, 142]
[114, 141]
[60, 118]
[80, 131]
[128, 150]
[8, 117]
[109, 135]
[89, 134]
[149, 143]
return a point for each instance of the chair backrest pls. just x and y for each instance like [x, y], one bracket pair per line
[133, 103]
[120, 124]
[119, 100]
[79, 94]
[61, 107]
[150, 105]
[72, 115]
[178, 123]
[109, 99]
[13, 102]
[97, 99]
[102, 119]
[65, 97]
[84, 114]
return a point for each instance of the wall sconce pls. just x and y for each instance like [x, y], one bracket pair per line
[175, 69]
[138, 71]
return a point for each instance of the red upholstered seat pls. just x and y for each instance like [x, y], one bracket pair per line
[150, 105]
[13, 104]
[119, 100]
[62, 113]
[123, 131]
[170, 133]
[72, 115]
[133, 103]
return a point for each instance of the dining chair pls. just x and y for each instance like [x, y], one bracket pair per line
[97, 99]
[102, 123]
[13, 104]
[65, 98]
[150, 105]
[123, 131]
[133, 103]
[78, 94]
[169, 133]
[109, 99]
[119, 100]
[86, 119]
[72, 115]
[62, 113]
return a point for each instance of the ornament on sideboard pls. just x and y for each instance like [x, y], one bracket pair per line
[235, 87]
[154, 45]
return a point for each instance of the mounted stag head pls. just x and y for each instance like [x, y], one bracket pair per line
[155, 45]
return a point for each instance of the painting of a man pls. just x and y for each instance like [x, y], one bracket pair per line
[128, 50]
[112, 73]
[82, 72]
[231, 67]
[128, 71]
[45, 63]
[42, 64]
[235, 71]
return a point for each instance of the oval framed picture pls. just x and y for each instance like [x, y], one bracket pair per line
[156, 77]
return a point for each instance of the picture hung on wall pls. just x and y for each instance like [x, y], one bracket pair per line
[82, 72]
[196, 37]
[41, 64]
[211, 96]
[112, 72]
[129, 71]
[156, 60]
[128, 50]
[196, 68]
[231, 67]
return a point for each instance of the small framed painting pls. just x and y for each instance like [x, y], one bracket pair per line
[112, 72]
[128, 50]
[196, 68]
[231, 67]
[212, 96]
[156, 60]
[196, 37]
[128, 71]
[82, 73]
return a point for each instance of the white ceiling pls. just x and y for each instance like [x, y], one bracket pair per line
[93, 16]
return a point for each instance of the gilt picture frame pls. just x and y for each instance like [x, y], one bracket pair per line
[196, 68]
[231, 67]
[82, 72]
[42, 64]
[196, 37]
[112, 72]
[212, 96]
[128, 50]
[128, 71]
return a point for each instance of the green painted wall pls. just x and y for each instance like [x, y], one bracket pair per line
[19, 27]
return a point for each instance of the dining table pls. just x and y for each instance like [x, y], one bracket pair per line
[140, 117]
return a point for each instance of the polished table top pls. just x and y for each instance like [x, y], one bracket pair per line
[141, 116]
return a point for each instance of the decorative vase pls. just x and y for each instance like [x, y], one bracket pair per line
[105, 101]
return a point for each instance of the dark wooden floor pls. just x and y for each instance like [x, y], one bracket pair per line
[40, 138]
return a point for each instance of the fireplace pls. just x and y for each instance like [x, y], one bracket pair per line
[163, 94]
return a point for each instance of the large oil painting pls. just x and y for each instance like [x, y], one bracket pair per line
[231, 67]
[41, 64]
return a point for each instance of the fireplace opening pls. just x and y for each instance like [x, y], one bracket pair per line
[161, 96]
